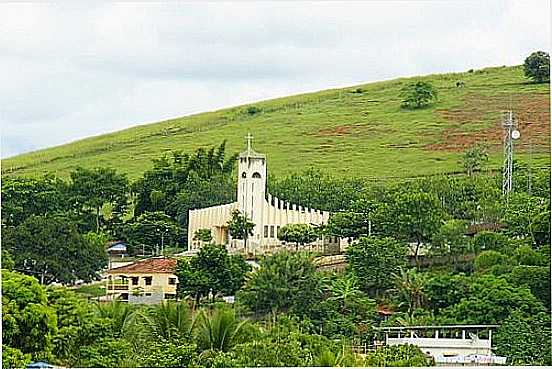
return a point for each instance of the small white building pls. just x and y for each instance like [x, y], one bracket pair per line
[267, 212]
[448, 344]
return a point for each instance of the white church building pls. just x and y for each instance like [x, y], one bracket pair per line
[267, 212]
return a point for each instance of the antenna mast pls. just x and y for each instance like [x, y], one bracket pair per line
[509, 126]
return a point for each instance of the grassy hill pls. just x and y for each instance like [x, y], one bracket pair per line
[359, 130]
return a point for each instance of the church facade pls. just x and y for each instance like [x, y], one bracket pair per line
[267, 212]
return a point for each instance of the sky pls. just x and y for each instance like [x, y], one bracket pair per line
[69, 70]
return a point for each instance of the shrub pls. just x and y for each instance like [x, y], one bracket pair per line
[400, 355]
[418, 94]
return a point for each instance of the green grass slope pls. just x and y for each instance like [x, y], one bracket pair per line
[360, 130]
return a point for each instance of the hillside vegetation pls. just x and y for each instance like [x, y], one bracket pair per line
[359, 130]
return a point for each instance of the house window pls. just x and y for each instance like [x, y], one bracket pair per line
[170, 296]
[148, 294]
[277, 230]
[148, 280]
[134, 280]
[172, 281]
[265, 231]
[271, 231]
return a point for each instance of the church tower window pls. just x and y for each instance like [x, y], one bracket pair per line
[256, 175]
[244, 175]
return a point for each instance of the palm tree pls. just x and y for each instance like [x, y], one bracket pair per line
[346, 292]
[168, 320]
[220, 330]
[409, 286]
[121, 315]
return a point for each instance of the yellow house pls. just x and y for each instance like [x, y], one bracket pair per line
[148, 281]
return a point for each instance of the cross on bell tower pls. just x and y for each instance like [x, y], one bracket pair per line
[249, 138]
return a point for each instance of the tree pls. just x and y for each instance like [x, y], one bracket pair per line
[14, 358]
[374, 259]
[284, 282]
[220, 330]
[525, 215]
[490, 300]
[94, 188]
[151, 230]
[240, 227]
[414, 216]
[537, 66]
[451, 240]
[346, 225]
[536, 278]
[77, 325]
[525, 339]
[7, 260]
[491, 261]
[410, 288]
[473, 158]
[51, 248]
[121, 316]
[28, 323]
[203, 235]
[211, 270]
[300, 234]
[418, 94]
[444, 290]
[23, 197]
[168, 321]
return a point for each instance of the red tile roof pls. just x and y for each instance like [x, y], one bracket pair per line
[153, 265]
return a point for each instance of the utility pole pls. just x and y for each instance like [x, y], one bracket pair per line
[510, 134]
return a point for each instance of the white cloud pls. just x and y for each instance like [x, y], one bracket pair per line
[71, 70]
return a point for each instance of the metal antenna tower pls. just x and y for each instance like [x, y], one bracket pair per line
[510, 134]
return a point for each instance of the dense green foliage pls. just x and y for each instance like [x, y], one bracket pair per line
[28, 323]
[213, 271]
[374, 259]
[537, 66]
[418, 94]
[299, 234]
[51, 248]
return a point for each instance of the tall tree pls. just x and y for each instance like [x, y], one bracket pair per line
[537, 66]
[211, 270]
[284, 282]
[93, 188]
[409, 285]
[473, 158]
[28, 323]
[152, 231]
[374, 259]
[414, 217]
[50, 248]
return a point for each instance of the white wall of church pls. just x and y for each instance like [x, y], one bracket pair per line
[267, 212]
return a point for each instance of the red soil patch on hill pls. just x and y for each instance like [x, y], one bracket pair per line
[531, 110]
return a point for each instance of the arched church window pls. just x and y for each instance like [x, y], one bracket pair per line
[244, 175]
[256, 175]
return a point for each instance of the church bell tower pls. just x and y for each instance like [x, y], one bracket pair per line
[252, 187]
